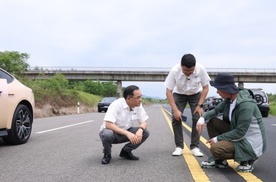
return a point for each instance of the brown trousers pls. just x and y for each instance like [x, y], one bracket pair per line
[222, 149]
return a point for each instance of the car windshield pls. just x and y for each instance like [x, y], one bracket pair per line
[109, 99]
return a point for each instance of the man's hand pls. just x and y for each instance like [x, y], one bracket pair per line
[135, 138]
[139, 135]
[211, 141]
[198, 110]
[177, 115]
[200, 125]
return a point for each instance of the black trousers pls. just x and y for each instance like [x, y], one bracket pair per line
[181, 102]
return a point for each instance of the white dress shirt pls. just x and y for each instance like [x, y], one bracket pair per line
[120, 114]
[179, 83]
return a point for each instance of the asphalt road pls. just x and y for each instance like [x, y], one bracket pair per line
[68, 148]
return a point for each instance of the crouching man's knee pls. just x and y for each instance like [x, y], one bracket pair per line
[106, 135]
[223, 150]
[146, 134]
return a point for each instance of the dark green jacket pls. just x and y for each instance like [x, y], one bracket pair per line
[247, 128]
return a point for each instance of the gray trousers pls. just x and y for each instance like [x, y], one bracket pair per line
[109, 137]
[181, 102]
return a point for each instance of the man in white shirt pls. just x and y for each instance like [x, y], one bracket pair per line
[187, 82]
[118, 125]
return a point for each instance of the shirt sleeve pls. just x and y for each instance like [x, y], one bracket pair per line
[142, 115]
[111, 113]
[205, 78]
[170, 80]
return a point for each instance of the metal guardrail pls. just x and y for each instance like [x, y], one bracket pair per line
[153, 69]
[154, 74]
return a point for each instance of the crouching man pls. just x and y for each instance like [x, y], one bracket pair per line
[240, 134]
[118, 125]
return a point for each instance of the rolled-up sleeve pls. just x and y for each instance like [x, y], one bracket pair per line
[142, 115]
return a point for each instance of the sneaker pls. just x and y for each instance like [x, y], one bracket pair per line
[212, 162]
[178, 151]
[247, 166]
[196, 152]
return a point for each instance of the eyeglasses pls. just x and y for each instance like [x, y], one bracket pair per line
[189, 70]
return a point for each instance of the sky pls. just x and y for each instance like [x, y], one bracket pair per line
[146, 33]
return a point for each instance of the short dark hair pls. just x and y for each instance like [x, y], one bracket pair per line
[188, 60]
[129, 90]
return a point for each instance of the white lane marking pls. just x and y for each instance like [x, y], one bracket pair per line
[59, 128]
[273, 124]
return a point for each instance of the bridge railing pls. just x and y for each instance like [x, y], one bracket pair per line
[68, 68]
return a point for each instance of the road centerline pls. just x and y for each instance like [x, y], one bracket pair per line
[196, 171]
[248, 176]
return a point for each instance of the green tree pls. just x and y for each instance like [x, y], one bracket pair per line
[76, 85]
[109, 89]
[93, 87]
[14, 62]
[57, 83]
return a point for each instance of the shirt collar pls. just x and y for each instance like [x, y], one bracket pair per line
[125, 105]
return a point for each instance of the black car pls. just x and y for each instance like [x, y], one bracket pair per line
[211, 102]
[105, 102]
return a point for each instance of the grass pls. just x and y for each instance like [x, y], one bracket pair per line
[73, 97]
[272, 108]
[67, 98]
[85, 98]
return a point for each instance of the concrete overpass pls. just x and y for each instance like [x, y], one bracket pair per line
[241, 75]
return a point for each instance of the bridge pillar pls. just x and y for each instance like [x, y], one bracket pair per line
[119, 88]
[240, 85]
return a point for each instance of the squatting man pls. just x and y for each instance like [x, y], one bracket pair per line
[118, 125]
[240, 133]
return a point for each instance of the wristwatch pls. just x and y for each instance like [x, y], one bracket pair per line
[142, 128]
[200, 105]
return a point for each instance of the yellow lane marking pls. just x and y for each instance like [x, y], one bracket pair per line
[245, 175]
[197, 173]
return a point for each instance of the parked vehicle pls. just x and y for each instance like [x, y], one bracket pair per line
[211, 102]
[16, 110]
[262, 100]
[105, 102]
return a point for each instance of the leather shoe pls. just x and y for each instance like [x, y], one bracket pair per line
[106, 159]
[128, 155]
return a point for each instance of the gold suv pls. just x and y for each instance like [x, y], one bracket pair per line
[16, 110]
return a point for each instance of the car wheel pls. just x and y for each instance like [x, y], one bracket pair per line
[259, 99]
[265, 114]
[21, 128]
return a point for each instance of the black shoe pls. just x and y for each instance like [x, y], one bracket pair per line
[106, 159]
[128, 155]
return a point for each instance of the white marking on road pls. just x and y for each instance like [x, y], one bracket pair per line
[59, 128]
[273, 124]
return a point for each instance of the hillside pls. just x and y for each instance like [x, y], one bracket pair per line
[65, 103]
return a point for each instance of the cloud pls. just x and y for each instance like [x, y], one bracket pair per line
[85, 33]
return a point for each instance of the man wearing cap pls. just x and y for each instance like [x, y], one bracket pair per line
[240, 134]
[187, 82]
